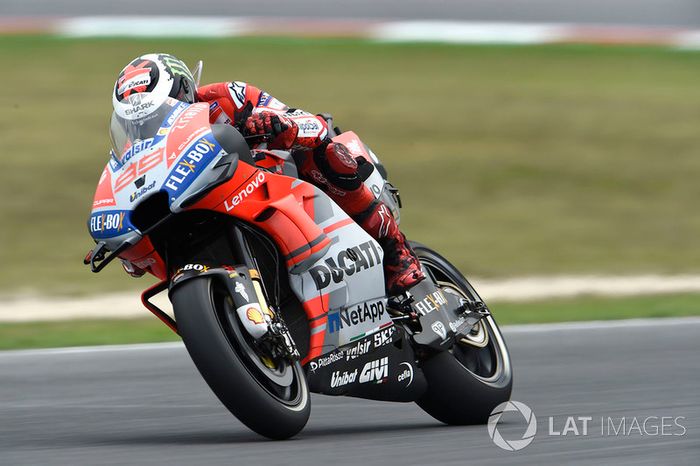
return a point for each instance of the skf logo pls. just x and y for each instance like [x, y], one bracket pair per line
[375, 371]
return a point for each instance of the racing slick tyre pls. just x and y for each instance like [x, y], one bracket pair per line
[466, 382]
[270, 397]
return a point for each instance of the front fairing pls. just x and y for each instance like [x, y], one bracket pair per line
[174, 152]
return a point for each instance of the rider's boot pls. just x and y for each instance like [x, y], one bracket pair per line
[401, 265]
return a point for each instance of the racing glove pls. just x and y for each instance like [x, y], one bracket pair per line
[282, 131]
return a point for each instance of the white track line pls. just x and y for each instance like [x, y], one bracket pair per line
[533, 288]
[600, 325]
[128, 304]
[454, 32]
[93, 349]
[507, 330]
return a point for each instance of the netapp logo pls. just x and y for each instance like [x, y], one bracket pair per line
[347, 262]
[363, 313]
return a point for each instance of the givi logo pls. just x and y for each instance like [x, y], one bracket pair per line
[375, 371]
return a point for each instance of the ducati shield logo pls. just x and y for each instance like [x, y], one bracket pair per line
[439, 328]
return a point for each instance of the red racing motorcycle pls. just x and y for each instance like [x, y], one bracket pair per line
[276, 292]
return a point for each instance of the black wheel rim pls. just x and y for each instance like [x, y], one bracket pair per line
[487, 363]
[291, 394]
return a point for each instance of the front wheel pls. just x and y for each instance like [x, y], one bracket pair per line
[269, 396]
[466, 382]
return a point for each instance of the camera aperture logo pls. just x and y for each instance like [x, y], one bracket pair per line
[514, 444]
[575, 426]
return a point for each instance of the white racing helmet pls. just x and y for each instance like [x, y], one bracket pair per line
[145, 83]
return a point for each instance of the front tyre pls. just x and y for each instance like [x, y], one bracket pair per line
[466, 382]
[271, 398]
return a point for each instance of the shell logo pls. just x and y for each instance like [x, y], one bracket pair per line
[254, 315]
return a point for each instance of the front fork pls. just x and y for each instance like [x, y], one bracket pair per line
[247, 292]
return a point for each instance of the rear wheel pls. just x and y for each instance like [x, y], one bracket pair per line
[268, 395]
[466, 382]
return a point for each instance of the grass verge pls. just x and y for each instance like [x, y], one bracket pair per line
[105, 332]
[511, 161]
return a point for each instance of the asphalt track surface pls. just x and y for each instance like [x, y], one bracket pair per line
[148, 405]
[678, 13]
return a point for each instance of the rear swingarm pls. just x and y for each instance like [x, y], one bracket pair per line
[436, 319]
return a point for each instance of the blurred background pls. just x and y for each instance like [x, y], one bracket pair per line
[539, 138]
[549, 148]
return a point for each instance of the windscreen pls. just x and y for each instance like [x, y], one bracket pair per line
[133, 135]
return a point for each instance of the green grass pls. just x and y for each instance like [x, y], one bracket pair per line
[104, 332]
[596, 308]
[83, 333]
[510, 160]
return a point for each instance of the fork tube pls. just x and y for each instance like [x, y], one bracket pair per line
[241, 249]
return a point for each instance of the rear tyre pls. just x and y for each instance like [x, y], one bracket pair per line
[272, 401]
[466, 382]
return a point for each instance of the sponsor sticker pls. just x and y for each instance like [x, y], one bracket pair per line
[439, 328]
[360, 348]
[199, 154]
[363, 313]
[102, 202]
[406, 374]
[339, 379]
[139, 108]
[432, 302]
[384, 337]
[140, 78]
[138, 193]
[138, 146]
[245, 192]
[240, 289]
[255, 315]
[347, 262]
[308, 127]
[376, 371]
[107, 224]
[326, 360]
[264, 99]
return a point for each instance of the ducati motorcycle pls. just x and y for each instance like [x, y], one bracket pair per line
[276, 291]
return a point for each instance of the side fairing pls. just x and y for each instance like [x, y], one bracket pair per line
[335, 267]
[346, 281]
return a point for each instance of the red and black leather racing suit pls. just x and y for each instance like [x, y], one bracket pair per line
[323, 163]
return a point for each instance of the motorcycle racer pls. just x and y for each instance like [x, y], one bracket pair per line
[324, 163]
